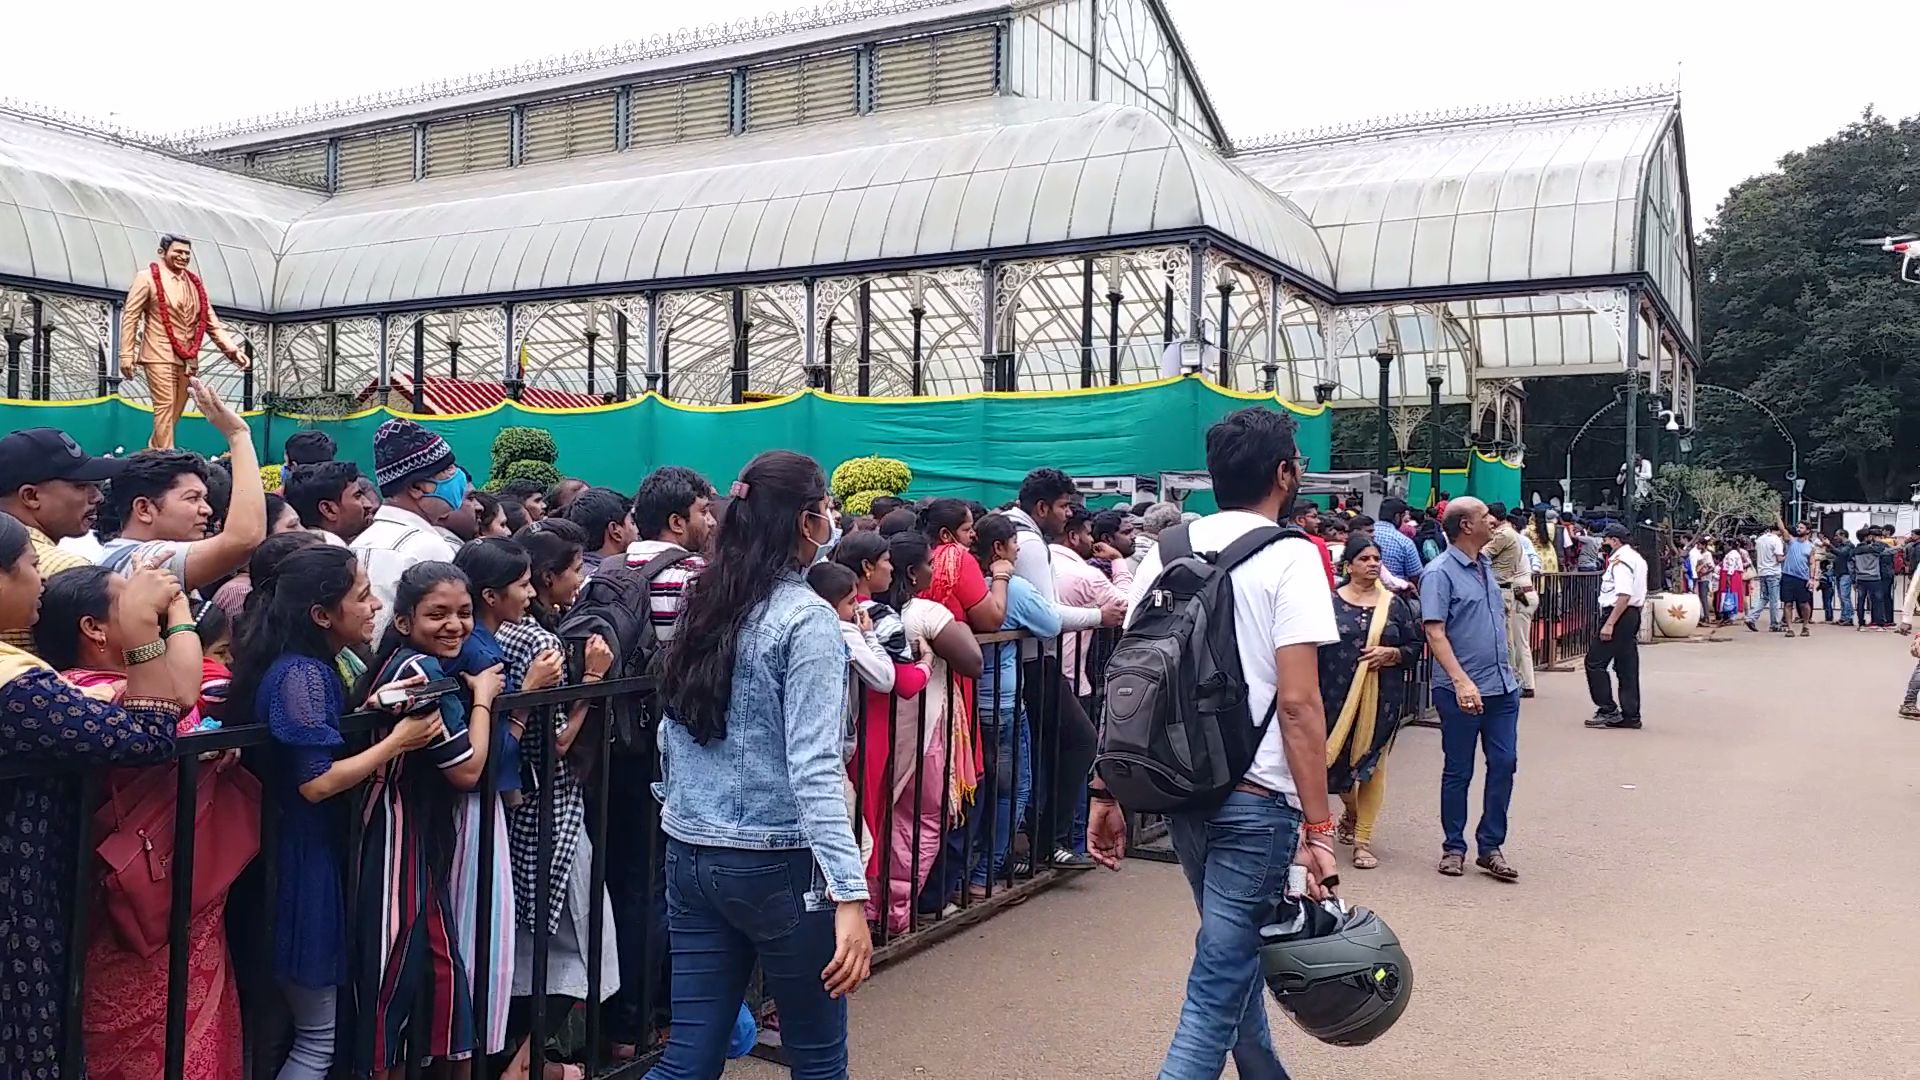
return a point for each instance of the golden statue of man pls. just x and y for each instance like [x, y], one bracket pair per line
[166, 319]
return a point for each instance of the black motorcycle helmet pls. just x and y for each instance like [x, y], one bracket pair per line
[1341, 976]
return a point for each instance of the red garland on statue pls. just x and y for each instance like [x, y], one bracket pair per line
[188, 352]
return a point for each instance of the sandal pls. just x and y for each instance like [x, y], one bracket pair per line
[1453, 863]
[1495, 864]
[1911, 712]
[1363, 858]
[1345, 832]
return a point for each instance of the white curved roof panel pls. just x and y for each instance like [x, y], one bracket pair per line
[1529, 197]
[80, 209]
[918, 184]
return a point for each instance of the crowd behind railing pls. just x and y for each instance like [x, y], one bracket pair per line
[949, 833]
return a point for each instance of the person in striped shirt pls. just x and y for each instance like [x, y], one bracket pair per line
[673, 513]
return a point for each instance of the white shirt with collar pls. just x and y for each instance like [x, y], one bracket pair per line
[1034, 562]
[1626, 572]
[395, 541]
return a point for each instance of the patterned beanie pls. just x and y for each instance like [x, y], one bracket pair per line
[402, 448]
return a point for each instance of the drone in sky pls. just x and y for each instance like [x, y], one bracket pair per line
[1907, 247]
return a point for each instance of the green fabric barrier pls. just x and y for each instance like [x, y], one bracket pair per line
[1488, 479]
[975, 446]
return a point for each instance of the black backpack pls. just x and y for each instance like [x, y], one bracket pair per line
[617, 604]
[1178, 732]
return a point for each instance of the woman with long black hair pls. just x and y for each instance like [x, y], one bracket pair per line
[315, 605]
[755, 684]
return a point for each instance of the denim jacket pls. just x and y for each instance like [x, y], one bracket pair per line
[777, 781]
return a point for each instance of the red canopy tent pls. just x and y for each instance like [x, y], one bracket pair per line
[446, 397]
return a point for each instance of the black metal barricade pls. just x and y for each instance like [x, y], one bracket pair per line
[963, 858]
[1568, 617]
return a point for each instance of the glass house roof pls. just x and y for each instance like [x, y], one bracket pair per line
[84, 210]
[958, 180]
[1521, 197]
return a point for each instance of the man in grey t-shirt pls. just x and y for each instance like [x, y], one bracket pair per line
[1768, 550]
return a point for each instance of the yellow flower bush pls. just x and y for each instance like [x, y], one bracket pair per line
[871, 476]
[270, 477]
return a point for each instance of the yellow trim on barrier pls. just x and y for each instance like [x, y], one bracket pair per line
[1495, 461]
[537, 410]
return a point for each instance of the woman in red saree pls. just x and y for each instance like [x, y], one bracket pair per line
[124, 1012]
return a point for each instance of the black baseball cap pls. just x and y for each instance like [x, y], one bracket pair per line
[1618, 531]
[36, 455]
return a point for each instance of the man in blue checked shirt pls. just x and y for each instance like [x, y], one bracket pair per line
[1397, 553]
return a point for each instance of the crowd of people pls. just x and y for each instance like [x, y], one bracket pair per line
[865, 720]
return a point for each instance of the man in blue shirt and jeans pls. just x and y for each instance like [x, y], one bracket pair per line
[1473, 687]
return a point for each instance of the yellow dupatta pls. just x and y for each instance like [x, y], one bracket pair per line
[1354, 729]
[15, 662]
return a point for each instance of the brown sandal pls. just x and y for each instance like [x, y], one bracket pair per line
[1495, 864]
[1344, 833]
[1363, 857]
[1453, 863]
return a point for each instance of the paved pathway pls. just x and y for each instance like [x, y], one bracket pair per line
[1730, 893]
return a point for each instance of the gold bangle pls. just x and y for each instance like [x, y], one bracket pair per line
[152, 650]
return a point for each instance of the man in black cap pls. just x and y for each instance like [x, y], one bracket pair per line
[53, 488]
[1623, 596]
[310, 448]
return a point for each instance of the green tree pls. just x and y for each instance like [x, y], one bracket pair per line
[1818, 327]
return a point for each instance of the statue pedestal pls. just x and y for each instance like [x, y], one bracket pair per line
[1675, 615]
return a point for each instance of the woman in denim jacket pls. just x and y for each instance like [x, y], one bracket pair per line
[761, 859]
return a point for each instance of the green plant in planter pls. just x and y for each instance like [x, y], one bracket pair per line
[516, 450]
[870, 476]
[546, 474]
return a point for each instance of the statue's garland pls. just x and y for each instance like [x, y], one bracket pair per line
[189, 353]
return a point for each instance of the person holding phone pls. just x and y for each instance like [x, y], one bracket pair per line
[318, 604]
[420, 863]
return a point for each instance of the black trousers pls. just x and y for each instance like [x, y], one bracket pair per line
[1623, 654]
[1063, 747]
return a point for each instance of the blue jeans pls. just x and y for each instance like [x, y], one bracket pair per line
[1497, 732]
[1844, 586]
[1010, 771]
[727, 908]
[1236, 858]
[1769, 600]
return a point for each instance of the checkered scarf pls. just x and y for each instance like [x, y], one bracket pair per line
[520, 642]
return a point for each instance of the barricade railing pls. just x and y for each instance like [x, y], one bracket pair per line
[943, 857]
[1567, 620]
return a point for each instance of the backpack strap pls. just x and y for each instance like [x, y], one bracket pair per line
[662, 563]
[1253, 543]
[1174, 544]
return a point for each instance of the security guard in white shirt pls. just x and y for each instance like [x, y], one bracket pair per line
[1623, 596]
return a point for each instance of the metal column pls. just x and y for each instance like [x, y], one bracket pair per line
[1633, 403]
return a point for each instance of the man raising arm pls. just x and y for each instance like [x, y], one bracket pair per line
[161, 497]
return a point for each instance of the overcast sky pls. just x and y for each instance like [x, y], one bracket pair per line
[1755, 86]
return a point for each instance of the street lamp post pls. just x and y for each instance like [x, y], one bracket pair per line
[1436, 374]
[1566, 485]
[1793, 445]
[1384, 356]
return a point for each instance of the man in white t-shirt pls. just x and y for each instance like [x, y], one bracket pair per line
[1236, 856]
[1769, 550]
[419, 486]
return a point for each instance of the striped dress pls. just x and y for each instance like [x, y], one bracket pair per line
[415, 947]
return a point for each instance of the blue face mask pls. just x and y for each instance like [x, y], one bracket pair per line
[452, 490]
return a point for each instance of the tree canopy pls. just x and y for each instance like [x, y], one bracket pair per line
[1819, 328]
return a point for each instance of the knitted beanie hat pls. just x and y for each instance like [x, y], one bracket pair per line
[402, 448]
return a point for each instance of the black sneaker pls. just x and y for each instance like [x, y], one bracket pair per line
[1067, 859]
[1603, 718]
[1630, 723]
